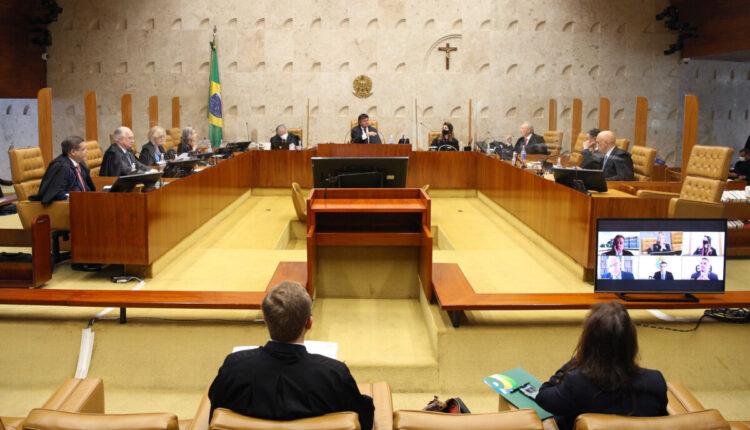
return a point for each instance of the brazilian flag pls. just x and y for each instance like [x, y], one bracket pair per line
[215, 122]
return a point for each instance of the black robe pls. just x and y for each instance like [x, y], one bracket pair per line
[439, 141]
[357, 135]
[278, 143]
[282, 381]
[117, 163]
[618, 167]
[147, 155]
[60, 179]
[536, 145]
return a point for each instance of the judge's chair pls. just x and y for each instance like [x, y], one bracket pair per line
[43, 419]
[575, 154]
[436, 134]
[623, 144]
[643, 162]
[709, 419]
[520, 419]
[553, 140]
[297, 132]
[299, 201]
[353, 123]
[224, 419]
[172, 139]
[94, 157]
[705, 179]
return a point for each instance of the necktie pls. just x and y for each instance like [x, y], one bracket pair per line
[80, 178]
[527, 141]
[157, 155]
[662, 276]
[605, 161]
[130, 160]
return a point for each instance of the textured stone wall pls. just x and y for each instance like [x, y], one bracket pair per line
[723, 91]
[19, 128]
[276, 55]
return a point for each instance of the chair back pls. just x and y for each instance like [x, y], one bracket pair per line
[299, 201]
[623, 144]
[94, 157]
[298, 132]
[46, 419]
[709, 419]
[643, 162]
[706, 173]
[373, 122]
[172, 139]
[432, 135]
[519, 419]
[27, 168]
[225, 419]
[553, 140]
[578, 146]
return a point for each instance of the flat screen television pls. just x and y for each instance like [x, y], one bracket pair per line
[660, 255]
[359, 172]
[125, 184]
[581, 179]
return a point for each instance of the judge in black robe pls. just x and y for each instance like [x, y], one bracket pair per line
[616, 164]
[119, 159]
[533, 143]
[282, 139]
[364, 132]
[148, 154]
[61, 177]
[446, 138]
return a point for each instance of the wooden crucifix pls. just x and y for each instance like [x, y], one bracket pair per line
[447, 49]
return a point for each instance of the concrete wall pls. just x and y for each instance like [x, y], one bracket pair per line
[19, 128]
[275, 55]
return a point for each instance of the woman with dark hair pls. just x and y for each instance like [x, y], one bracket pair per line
[446, 138]
[603, 375]
[188, 140]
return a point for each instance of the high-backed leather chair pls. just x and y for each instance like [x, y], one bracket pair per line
[45, 419]
[432, 135]
[680, 400]
[623, 144]
[297, 132]
[354, 122]
[705, 179]
[643, 162]
[520, 419]
[553, 140]
[94, 157]
[172, 139]
[575, 154]
[73, 395]
[225, 419]
[709, 419]
[27, 168]
[299, 201]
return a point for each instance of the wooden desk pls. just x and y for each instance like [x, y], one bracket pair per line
[362, 150]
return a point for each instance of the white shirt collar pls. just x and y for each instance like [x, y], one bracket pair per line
[610, 151]
[75, 164]
[284, 136]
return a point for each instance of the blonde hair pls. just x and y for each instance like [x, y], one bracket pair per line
[156, 132]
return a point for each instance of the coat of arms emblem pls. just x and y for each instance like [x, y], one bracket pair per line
[362, 86]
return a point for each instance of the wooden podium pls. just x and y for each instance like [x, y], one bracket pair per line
[362, 223]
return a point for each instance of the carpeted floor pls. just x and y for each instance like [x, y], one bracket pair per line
[162, 360]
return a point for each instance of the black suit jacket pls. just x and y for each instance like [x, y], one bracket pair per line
[618, 167]
[573, 394]
[60, 179]
[116, 162]
[147, 154]
[277, 143]
[439, 141]
[536, 145]
[667, 275]
[357, 135]
[183, 148]
[281, 381]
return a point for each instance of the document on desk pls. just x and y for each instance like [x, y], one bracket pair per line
[328, 349]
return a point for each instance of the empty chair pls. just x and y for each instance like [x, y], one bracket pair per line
[623, 144]
[643, 162]
[575, 154]
[520, 419]
[709, 419]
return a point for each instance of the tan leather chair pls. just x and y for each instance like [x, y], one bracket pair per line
[575, 154]
[27, 168]
[520, 419]
[172, 139]
[432, 135]
[73, 395]
[705, 179]
[45, 419]
[553, 140]
[297, 132]
[623, 144]
[709, 419]
[225, 419]
[299, 201]
[643, 162]
[353, 123]
[680, 401]
[94, 157]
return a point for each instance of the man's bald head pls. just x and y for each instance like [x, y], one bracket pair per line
[605, 140]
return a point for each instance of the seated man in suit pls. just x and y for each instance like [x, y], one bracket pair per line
[533, 143]
[618, 247]
[119, 159]
[66, 173]
[153, 152]
[606, 156]
[364, 132]
[614, 270]
[281, 380]
[663, 274]
[283, 139]
[704, 272]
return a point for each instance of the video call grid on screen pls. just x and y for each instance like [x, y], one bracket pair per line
[660, 255]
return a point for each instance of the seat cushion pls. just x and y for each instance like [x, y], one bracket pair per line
[520, 419]
[225, 419]
[45, 419]
[709, 419]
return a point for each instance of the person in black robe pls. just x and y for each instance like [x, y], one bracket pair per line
[741, 168]
[119, 159]
[533, 143]
[153, 152]
[282, 139]
[188, 140]
[66, 173]
[446, 138]
[364, 132]
[616, 164]
[281, 380]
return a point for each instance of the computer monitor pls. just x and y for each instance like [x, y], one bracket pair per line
[180, 168]
[581, 179]
[660, 255]
[359, 172]
[233, 147]
[125, 184]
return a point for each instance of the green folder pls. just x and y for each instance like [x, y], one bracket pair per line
[505, 382]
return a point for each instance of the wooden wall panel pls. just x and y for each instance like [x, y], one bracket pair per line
[126, 110]
[552, 126]
[577, 117]
[689, 129]
[444, 170]
[278, 169]
[641, 121]
[363, 150]
[44, 115]
[92, 120]
[22, 68]
[603, 113]
[721, 26]
[175, 112]
[153, 111]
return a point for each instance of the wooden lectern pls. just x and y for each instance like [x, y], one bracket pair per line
[364, 222]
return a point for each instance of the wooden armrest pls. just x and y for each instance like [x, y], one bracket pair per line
[656, 194]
